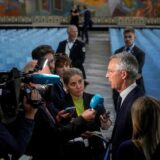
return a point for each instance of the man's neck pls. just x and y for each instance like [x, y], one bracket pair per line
[71, 40]
[126, 85]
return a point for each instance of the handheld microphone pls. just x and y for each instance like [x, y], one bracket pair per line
[44, 78]
[96, 100]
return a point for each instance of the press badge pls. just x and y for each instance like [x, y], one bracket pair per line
[83, 49]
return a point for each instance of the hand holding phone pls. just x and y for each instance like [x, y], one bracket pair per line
[105, 120]
[70, 109]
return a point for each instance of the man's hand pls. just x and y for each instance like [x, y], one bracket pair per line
[28, 109]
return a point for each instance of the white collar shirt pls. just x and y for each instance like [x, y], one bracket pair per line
[125, 92]
[68, 47]
[129, 48]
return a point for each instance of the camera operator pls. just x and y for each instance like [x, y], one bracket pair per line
[15, 137]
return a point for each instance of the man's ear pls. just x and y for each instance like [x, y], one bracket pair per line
[124, 74]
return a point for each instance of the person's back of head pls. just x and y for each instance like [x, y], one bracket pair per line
[146, 125]
[62, 63]
[41, 51]
[62, 60]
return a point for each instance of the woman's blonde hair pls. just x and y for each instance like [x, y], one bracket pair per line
[146, 125]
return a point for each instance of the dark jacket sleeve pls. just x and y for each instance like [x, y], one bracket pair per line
[16, 144]
[61, 47]
[140, 56]
[73, 129]
[77, 54]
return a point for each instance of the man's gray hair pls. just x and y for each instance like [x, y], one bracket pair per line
[127, 62]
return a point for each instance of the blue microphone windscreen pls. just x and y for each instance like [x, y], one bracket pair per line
[45, 78]
[96, 100]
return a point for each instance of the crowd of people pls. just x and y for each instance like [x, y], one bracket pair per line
[57, 121]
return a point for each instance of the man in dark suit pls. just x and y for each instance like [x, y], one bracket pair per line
[87, 23]
[122, 73]
[74, 48]
[131, 48]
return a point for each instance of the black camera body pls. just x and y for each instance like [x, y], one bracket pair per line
[27, 92]
[9, 95]
[12, 92]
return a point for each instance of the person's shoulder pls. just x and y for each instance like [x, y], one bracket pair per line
[127, 150]
[63, 41]
[126, 144]
[136, 92]
[126, 147]
[138, 50]
[79, 42]
[119, 50]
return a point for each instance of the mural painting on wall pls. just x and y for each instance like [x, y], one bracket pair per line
[109, 8]
[136, 8]
[45, 5]
[10, 8]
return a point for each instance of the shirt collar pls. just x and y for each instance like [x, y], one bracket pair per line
[125, 92]
[68, 41]
[130, 48]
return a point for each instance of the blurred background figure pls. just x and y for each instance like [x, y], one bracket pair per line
[87, 23]
[74, 48]
[74, 20]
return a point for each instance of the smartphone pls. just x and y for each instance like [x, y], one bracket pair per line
[70, 109]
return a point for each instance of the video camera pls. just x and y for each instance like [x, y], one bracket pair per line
[10, 88]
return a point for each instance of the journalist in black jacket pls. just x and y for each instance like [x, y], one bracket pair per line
[88, 147]
[15, 135]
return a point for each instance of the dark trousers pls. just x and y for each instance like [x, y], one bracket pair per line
[85, 33]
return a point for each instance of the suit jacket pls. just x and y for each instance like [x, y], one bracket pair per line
[77, 53]
[15, 138]
[123, 124]
[138, 53]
